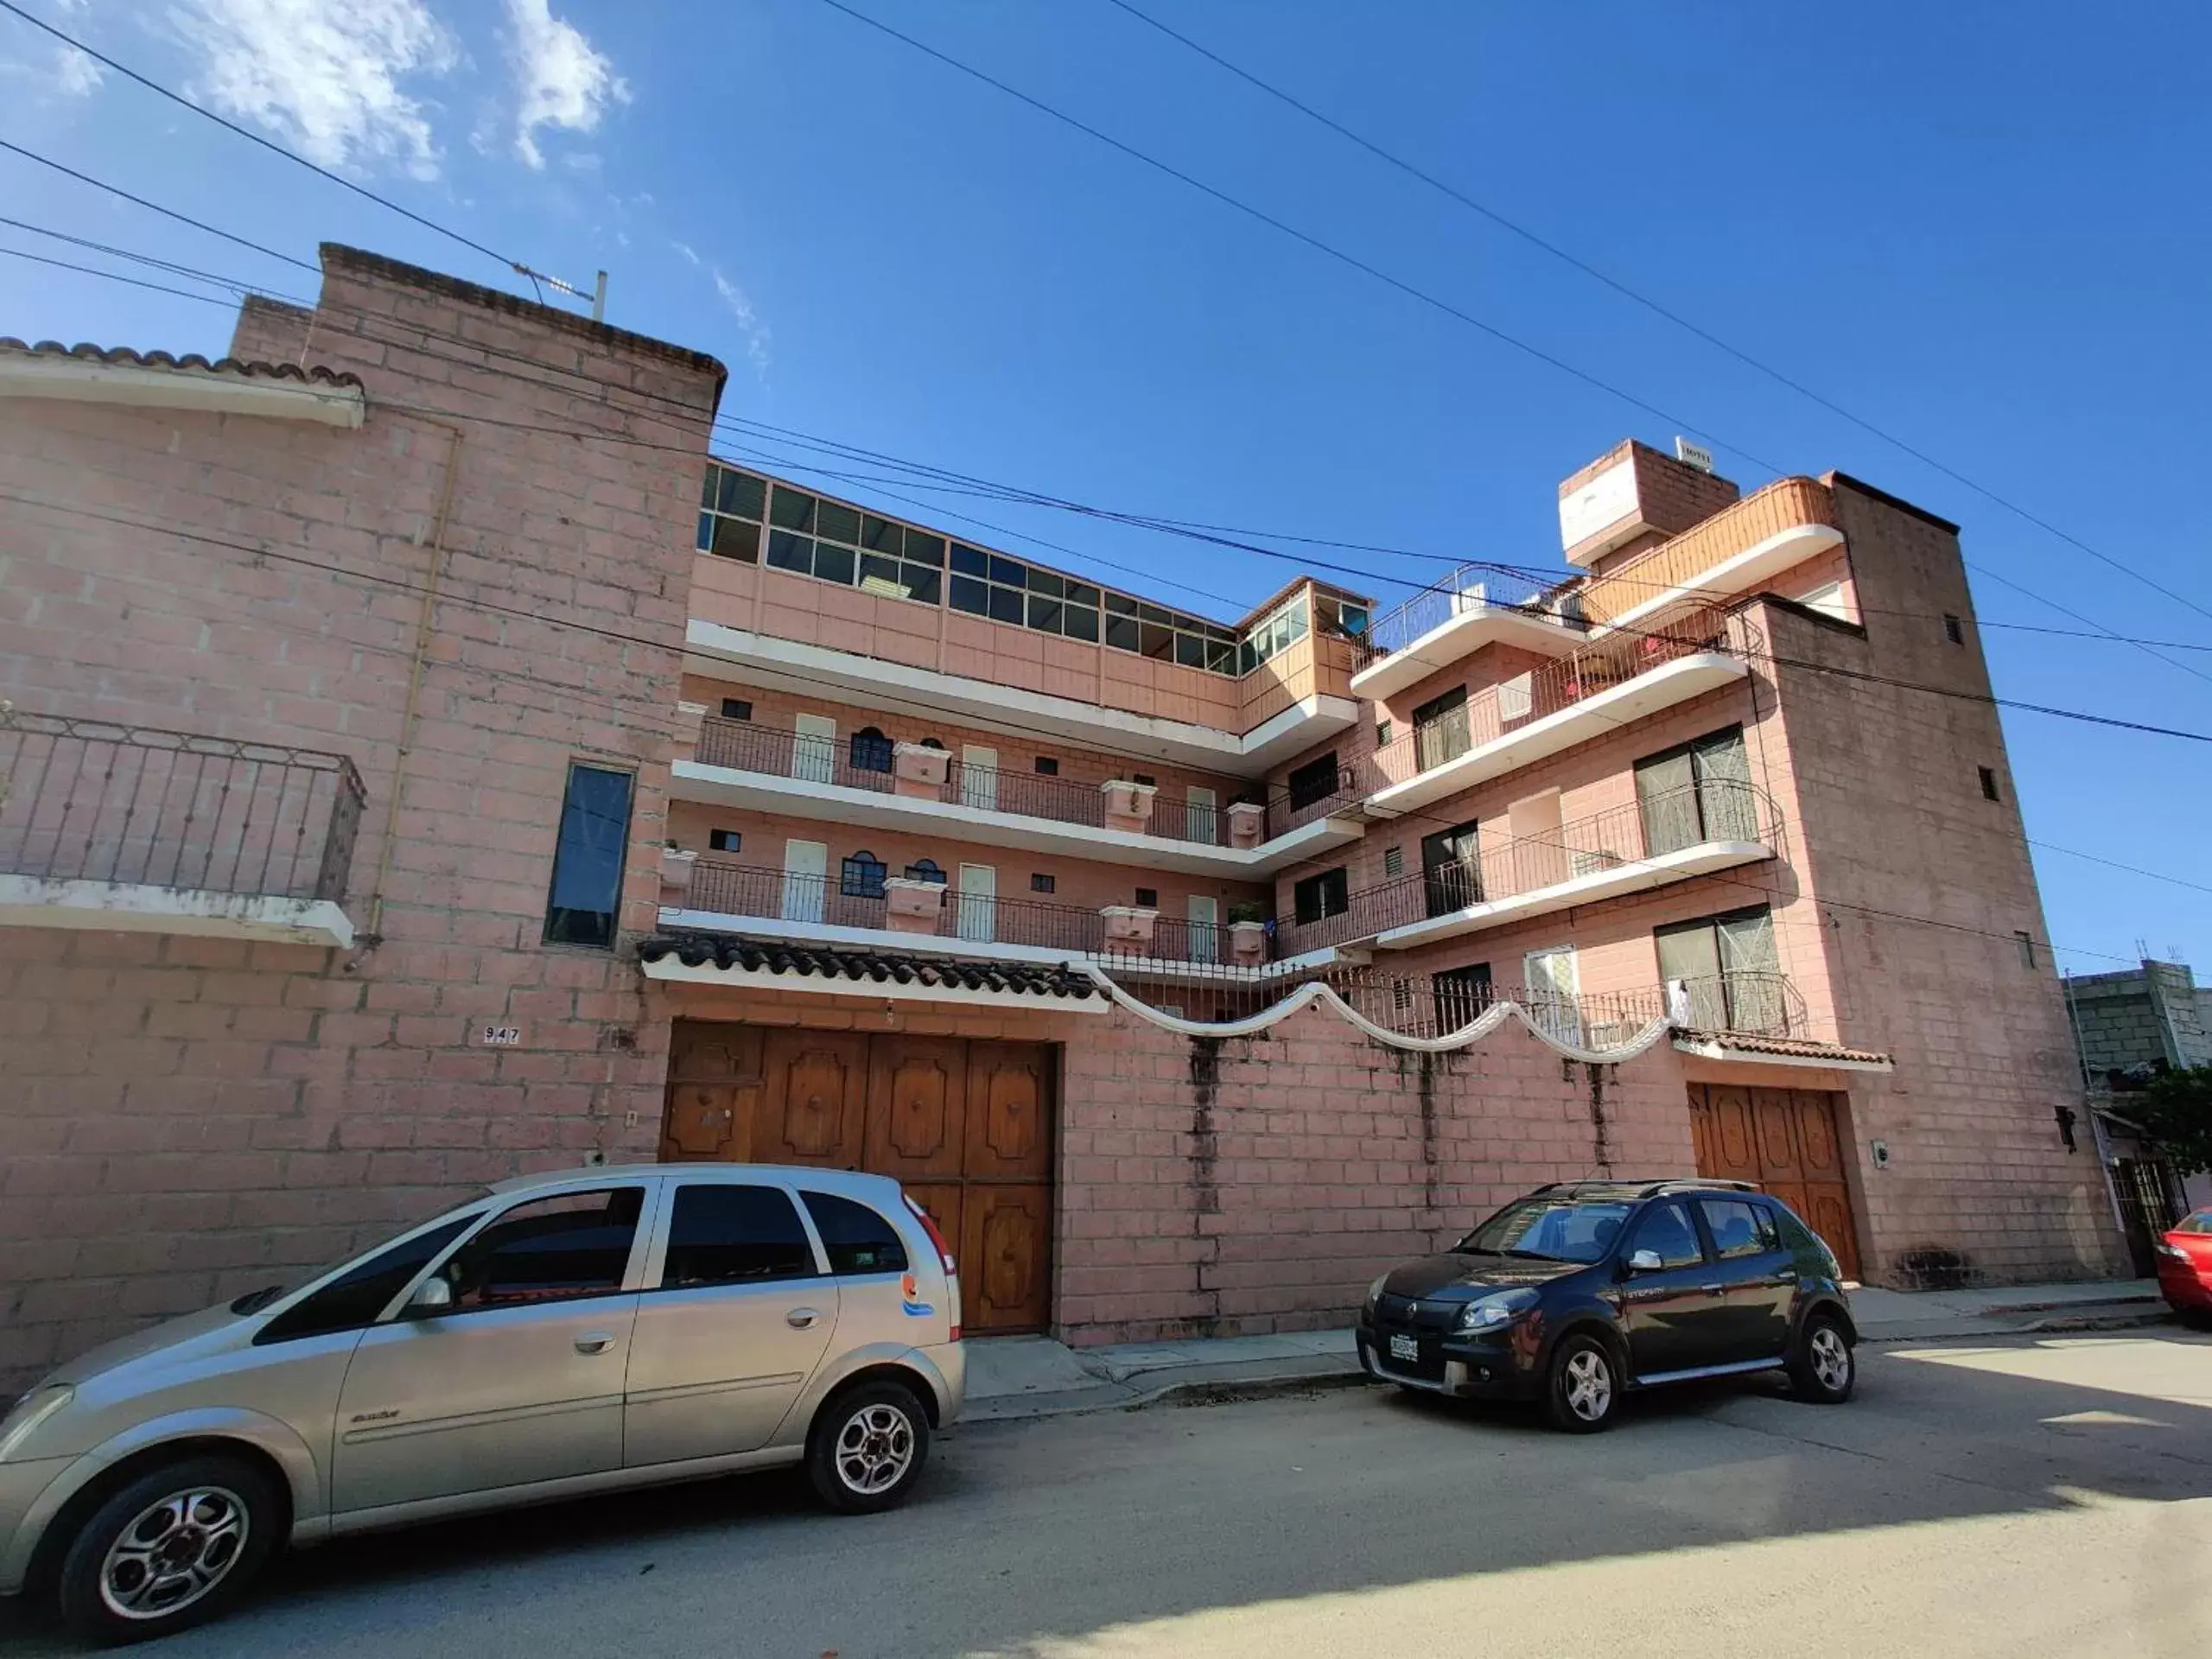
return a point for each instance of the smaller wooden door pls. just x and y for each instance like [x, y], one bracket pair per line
[813, 1106]
[713, 1093]
[1005, 1228]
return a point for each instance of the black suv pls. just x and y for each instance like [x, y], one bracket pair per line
[1579, 1291]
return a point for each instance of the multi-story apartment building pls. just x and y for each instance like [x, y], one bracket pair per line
[415, 772]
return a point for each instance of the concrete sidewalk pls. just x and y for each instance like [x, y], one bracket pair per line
[1035, 1377]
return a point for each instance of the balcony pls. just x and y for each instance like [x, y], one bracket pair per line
[1469, 609]
[1732, 553]
[1594, 689]
[756, 902]
[1718, 824]
[929, 792]
[125, 828]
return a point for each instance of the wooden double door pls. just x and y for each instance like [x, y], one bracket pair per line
[1787, 1140]
[965, 1125]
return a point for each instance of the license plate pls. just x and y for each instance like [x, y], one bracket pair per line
[1405, 1348]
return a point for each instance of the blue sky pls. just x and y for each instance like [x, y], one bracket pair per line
[1983, 227]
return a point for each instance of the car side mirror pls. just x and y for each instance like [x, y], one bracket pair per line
[433, 1295]
[1645, 1262]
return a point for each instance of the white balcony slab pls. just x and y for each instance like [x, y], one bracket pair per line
[1594, 716]
[1474, 625]
[792, 665]
[1612, 882]
[130, 907]
[1740, 573]
[805, 798]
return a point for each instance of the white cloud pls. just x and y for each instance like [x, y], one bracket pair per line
[561, 81]
[325, 74]
[687, 250]
[741, 306]
[75, 74]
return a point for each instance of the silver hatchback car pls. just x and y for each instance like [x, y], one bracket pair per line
[562, 1334]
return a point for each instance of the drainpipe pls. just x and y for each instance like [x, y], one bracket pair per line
[373, 933]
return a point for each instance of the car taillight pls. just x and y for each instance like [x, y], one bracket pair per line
[943, 1249]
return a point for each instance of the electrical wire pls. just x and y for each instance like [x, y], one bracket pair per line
[182, 102]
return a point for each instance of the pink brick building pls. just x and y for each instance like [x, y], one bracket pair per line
[409, 781]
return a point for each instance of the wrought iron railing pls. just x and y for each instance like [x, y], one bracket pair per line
[1744, 1002]
[1622, 837]
[92, 800]
[740, 890]
[1470, 588]
[1498, 710]
[869, 764]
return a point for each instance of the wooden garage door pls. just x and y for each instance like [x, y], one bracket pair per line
[1789, 1142]
[966, 1127]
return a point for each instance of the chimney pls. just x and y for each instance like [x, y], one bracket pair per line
[1631, 497]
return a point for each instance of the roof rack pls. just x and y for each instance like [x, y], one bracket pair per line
[1691, 1184]
[1646, 1189]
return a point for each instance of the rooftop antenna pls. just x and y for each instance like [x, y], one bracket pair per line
[597, 296]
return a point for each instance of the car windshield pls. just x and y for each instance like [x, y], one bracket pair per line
[254, 1300]
[2199, 1223]
[1550, 1230]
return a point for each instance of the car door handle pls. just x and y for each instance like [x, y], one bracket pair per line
[594, 1341]
[799, 1317]
[1711, 1290]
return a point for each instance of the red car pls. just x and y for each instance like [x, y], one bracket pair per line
[2185, 1265]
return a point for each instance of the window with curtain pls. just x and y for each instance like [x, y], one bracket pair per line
[1729, 966]
[1699, 792]
[587, 859]
[871, 751]
[861, 876]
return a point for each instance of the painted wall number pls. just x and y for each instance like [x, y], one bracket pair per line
[501, 1036]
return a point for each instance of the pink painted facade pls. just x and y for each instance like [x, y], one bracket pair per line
[489, 575]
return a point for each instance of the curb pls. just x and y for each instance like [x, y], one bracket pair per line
[2127, 1321]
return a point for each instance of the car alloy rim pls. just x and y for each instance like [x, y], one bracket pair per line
[1589, 1385]
[175, 1553]
[1831, 1359]
[874, 1448]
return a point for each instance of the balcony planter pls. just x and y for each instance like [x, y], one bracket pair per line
[911, 905]
[1248, 824]
[675, 864]
[1129, 807]
[689, 718]
[919, 771]
[1128, 929]
[1248, 943]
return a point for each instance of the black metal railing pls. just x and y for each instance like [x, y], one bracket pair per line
[91, 800]
[1627, 835]
[1469, 588]
[869, 764]
[1744, 1002]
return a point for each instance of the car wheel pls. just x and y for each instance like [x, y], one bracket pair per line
[1582, 1386]
[171, 1550]
[1824, 1368]
[867, 1448]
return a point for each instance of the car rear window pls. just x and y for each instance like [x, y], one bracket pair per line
[2199, 1223]
[858, 1239]
[724, 1233]
[1738, 1228]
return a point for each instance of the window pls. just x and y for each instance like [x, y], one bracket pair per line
[587, 858]
[357, 1296]
[1317, 896]
[861, 876]
[1340, 613]
[1149, 896]
[725, 841]
[736, 709]
[1954, 630]
[1314, 782]
[1988, 783]
[925, 869]
[811, 536]
[722, 1233]
[2027, 948]
[1394, 862]
[1666, 1229]
[1141, 778]
[1047, 766]
[1463, 995]
[1728, 969]
[1041, 883]
[729, 513]
[1698, 792]
[548, 1250]
[1383, 733]
[1556, 1229]
[1440, 728]
[858, 1240]
[1828, 601]
[1273, 633]
[871, 750]
[1739, 1229]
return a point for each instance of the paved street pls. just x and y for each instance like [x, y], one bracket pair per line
[2047, 1495]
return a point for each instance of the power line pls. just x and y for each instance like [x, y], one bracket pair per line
[494, 608]
[2113, 864]
[182, 102]
[1650, 304]
[88, 270]
[152, 206]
